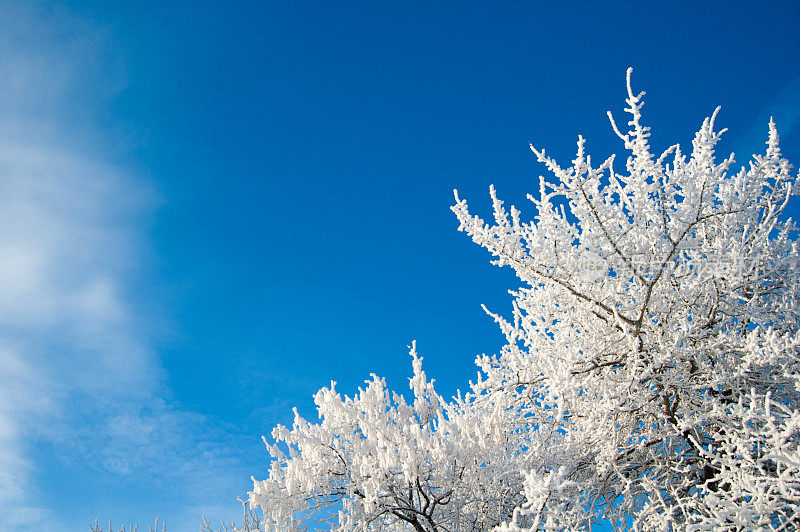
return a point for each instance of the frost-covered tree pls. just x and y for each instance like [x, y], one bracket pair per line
[130, 528]
[376, 461]
[650, 375]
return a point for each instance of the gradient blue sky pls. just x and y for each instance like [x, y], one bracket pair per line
[210, 210]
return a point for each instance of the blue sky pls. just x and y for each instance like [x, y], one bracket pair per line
[210, 210]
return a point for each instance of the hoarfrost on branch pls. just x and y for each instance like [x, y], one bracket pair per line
[649, 378]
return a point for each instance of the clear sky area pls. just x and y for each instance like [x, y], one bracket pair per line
[209, 210]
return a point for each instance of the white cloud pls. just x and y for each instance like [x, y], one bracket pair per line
[77, 370]
[784, 109]
[20, 398]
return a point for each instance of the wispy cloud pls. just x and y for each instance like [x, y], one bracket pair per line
[78, 373]
[785, 110]
[18, 400]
